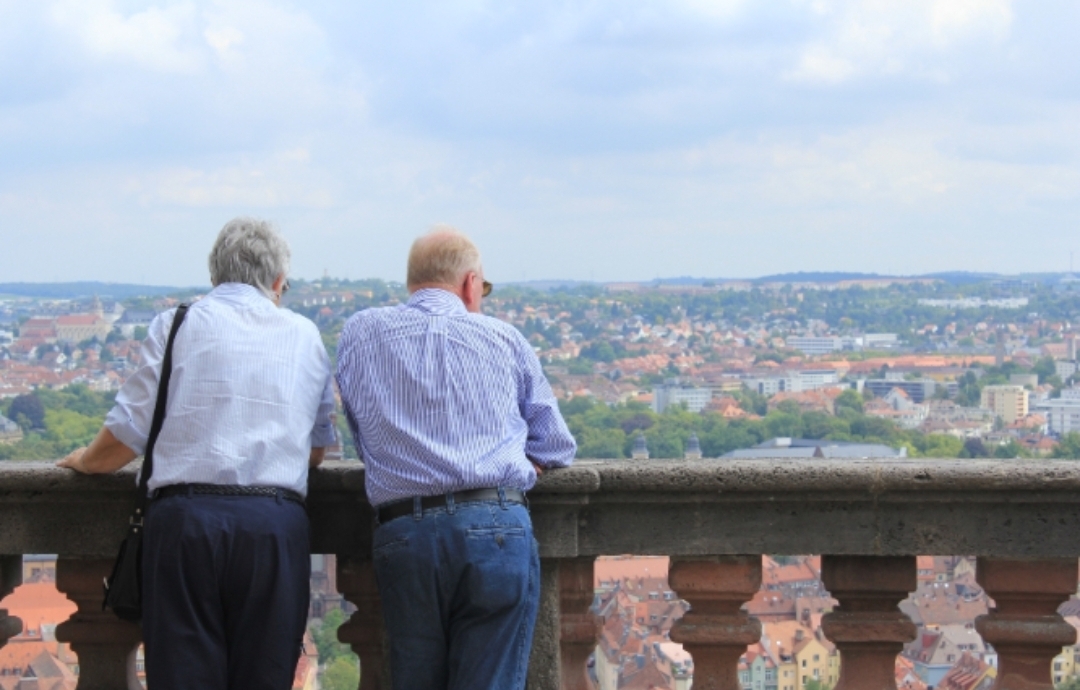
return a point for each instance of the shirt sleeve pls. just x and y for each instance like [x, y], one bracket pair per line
[323, 435]
[549, 443]
[129, 419]
[346, 372]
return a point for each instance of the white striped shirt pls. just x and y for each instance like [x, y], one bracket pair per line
[441, 400]
[250, 394]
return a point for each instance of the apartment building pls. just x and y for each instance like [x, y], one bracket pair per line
[1008, 402]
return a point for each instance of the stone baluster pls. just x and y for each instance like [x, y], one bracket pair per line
[868, 628]
[545, 657]
[364, 631]
[1024, 627]
[10, 578]
[716, 631]
[106, 646]
[577, 624]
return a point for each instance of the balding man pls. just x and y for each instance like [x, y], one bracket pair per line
[454, 419]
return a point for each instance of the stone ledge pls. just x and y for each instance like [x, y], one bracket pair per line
[873, 477]
[1005, 508]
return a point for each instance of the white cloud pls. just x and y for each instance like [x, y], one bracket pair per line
[157, 38]
[607, 139]
[285, 179]
[880, 37]
[952, 20]
[223, 39]
[717, 9]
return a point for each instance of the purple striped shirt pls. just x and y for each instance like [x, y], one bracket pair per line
[441, 400]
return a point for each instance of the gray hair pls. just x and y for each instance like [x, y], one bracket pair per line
[249, 251]
[443, 256]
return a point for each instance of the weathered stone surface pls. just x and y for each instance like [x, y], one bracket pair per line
[1024, 626]
[703, 513]
[364, 631]
[868, 628]
[106, 646]
[895, 507]
[10, 578]
[578, 625]
[715, 631]
[545, 659]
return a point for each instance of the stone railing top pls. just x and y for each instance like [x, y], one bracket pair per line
[717, 476]
[1017, 508]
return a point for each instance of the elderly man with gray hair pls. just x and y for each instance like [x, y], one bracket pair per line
[226, 557]
[454, 419]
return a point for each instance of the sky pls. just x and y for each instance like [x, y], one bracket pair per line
[597, 140]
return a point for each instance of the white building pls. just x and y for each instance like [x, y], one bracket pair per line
[1062, 414]
[873, 341]
[823, 345]
[793, 381]
[815, 345]
[673, 393]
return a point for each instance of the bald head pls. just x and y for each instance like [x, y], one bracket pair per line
[441, 257]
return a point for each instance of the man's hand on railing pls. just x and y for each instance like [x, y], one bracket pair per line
[106, 453]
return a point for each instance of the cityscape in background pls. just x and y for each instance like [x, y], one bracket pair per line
[797, 367]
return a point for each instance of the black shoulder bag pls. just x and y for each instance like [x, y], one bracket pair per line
[123, 589]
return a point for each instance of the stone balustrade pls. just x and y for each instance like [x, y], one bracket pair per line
[714, 518]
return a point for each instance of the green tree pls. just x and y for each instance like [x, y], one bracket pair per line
[600, 443]
[1012, 449]
[974, 448]
[1044, 368]
[937, 445]
[1068, 448]
[579, 366]
[342, 673]
[326, 639]
[28, 411]
[850, 399]
[68, 430]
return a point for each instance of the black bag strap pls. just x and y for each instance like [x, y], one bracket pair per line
[158, 420]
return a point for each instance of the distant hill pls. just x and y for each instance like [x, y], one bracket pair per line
[85, 289]
[819, 277]
[963, 277]
[547, 285]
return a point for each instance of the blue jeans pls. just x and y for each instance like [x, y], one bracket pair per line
[460, 586]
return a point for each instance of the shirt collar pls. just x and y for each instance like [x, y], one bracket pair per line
[436, 301]
[240, 293]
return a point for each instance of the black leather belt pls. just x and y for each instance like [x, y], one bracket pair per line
[398, 509]
[228, 490]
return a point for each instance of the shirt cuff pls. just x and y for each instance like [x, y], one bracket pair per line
[120, 424]
[323, 436]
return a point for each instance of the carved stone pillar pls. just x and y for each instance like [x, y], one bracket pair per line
[364, 631]
[1025, 628]
[545, 657]
[10, 578]
[868, 628]
[576, 622]
[106, 646]
[716, 631]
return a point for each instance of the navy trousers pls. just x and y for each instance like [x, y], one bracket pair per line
[460, 589]
[225, 592]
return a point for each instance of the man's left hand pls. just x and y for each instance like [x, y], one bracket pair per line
[539, 469]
